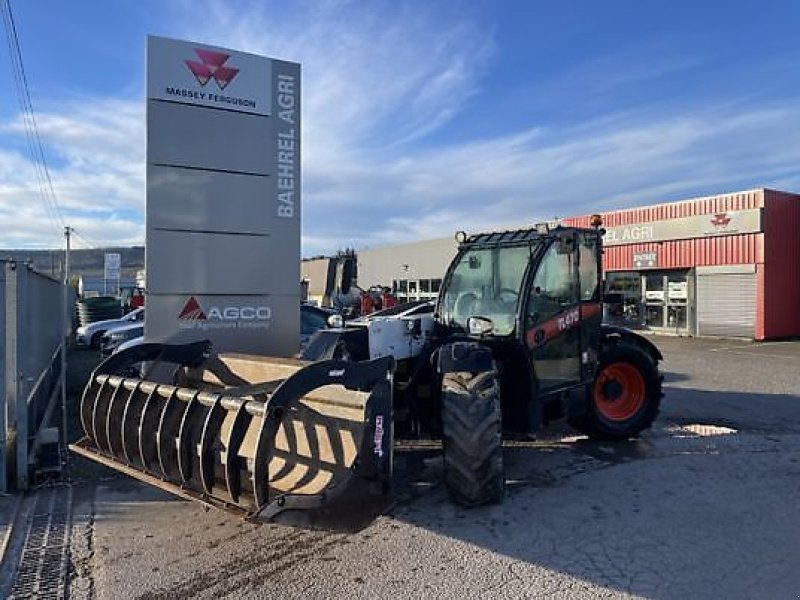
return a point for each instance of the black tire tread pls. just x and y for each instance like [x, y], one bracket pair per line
[473, 438]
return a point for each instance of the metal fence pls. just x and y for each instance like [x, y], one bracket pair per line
[31, 352]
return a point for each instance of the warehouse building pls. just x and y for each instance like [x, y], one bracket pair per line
[414, 271]
[725, 265]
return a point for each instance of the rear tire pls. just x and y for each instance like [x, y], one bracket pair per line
[472, 437]
[625, 396]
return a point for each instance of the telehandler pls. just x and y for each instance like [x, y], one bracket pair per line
[514, 341]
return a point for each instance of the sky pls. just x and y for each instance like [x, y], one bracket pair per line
[421, 118]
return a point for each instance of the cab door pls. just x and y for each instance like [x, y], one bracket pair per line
[552, 316]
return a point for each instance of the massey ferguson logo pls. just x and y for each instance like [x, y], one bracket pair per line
[720, 221]
[212, 66]
[193, 316]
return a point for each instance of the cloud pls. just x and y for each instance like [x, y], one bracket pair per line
[382, 85]
[95, 153]
[616, 162]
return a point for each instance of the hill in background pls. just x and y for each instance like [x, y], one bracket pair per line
[82, 262]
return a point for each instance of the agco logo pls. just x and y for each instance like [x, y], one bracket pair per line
[211, 66]
[192, 311]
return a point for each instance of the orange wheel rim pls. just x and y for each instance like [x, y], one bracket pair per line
[619, 391]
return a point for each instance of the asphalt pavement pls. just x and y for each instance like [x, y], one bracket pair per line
[704, 505]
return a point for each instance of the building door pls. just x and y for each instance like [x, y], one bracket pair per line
[726, 301]
[552, 318]
[668, 301]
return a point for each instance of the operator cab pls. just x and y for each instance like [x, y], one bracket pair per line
[533, 296]
[510, 278]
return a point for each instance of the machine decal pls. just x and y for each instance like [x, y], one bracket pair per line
[567, 319]
[378, 437]
[212, 66]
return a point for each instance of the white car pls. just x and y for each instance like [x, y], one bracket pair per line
[114, 338]
[92, 334]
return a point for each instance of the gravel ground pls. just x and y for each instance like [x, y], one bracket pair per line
[703, 506]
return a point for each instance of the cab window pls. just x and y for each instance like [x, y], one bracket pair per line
[588, 268]
[554, 286]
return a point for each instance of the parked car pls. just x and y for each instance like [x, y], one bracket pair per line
[404, 309]
[312, 318]
[92, 334]
[114, 338]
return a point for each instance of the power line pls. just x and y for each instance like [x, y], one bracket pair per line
[29, 120]
[90, 244]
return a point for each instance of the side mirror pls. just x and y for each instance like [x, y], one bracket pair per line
[335, 321]
[479, 326]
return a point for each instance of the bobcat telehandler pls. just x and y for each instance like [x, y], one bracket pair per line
[514, 341]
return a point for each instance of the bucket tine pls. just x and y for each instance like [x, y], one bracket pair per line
[108, 391]
[168, 424]
[114, 417]
[148, 429]
[233, 479]
[211, 431]
[131, 418]
[187, 447]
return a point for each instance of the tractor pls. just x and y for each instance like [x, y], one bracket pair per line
[514, 341]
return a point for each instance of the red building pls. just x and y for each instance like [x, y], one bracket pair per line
[725, 265]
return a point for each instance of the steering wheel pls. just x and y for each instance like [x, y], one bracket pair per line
[466, 305]
[506, 297]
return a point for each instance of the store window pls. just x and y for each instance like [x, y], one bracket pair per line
[623, 299]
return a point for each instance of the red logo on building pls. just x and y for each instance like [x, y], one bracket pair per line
[721, 220]
[212, 66]
[192, 311]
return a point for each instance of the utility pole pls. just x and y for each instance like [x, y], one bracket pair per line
[66, 321]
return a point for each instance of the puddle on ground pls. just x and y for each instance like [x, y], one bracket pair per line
[699, 430]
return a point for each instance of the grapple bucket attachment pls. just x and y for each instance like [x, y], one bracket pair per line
[308, 443]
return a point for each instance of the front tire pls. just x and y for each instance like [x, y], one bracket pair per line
[472, 437]
[96, 340]
[624, 398]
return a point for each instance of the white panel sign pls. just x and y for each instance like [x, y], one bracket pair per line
[678, 290]
[698, 226]
[193, 73]
[112, 266]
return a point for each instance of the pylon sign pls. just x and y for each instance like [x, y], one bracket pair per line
[223, 198]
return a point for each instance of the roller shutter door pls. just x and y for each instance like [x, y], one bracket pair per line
[726, 304]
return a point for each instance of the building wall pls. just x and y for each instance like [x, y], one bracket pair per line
[315, 271]
[418, 260]
[780, 274]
